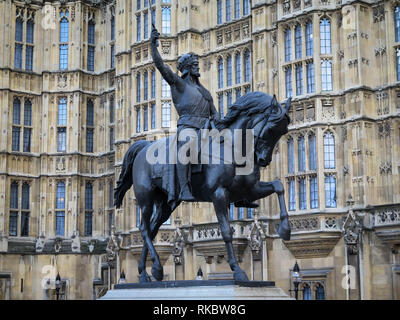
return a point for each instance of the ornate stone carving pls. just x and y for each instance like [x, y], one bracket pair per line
[177, 242]
[286, 7]
[351, 232]
[166, 47]
[385, 168]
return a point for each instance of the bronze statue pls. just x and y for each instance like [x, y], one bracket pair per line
[219, 183]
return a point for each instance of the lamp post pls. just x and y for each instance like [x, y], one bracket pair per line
[296, 279]
[122, 277]
[58, 285]
[199, 274]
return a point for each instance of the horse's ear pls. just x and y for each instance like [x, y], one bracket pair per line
[275, 104]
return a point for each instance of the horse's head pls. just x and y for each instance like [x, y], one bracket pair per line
[272, 124]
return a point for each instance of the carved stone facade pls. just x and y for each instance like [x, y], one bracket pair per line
[356, 222]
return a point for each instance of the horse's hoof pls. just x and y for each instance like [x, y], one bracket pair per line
[144, 277]
[157, 272]
[240, 275]
[284, 230]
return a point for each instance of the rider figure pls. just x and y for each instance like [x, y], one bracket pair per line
[192, 101]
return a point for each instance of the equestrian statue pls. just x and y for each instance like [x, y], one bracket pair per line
[161, 187]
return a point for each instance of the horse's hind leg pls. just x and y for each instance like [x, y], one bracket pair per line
[220, 201]
[163, 212]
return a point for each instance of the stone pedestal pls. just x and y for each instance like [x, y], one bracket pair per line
[197, 290]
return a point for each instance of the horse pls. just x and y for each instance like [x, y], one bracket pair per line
[216, 183]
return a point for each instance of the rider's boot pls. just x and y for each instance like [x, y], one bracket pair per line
[185, 194]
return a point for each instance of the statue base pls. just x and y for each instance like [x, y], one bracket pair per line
[197, 290]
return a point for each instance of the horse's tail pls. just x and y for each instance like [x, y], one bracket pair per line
[125, 178]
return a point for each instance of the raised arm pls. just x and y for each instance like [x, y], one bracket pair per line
[171, 77]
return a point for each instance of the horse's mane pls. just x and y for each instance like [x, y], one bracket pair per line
[246, 106]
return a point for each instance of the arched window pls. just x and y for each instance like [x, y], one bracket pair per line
[16, 129]
[329, 151]
[62, 125]
[18, 43]
[64, 38]
[238, 68]
[309, 39]
[247, 67]
[307, 292]
[228, 10]
[166, 20]
[91, 45]
[288, 45]
[326, 75]
[219, 11]
[220, 73]
[325, 36]
[298, 41]
[320, 292]
[221, 105]
[397, 24]
[301, 153]
[290, 148]
[62, 112]
[229, 70]
[17, 111]
[88, 209]
[60, 207]
[30, 26]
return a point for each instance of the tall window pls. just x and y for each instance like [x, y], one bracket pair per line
[112, 40]
[221, 104]
[299, 79]
[138, 28]
[88, 209]
[138, 4]
[329, 151]
[325, 36]
[138, 120]
[312, 152]
[111, 139]
[249, 213]
[292, 195]
[302, 194]
[330, 191]
[238, 93]
[153, 115]
[238, 68]
[219, 11]
[112, 56]
[320, 292]
[146, 85]
[138, 87]
[290, 148]
[232, 211]
[240, 213]
[397, 24]
[16, 129]
[26, 147]
[13, 222]
[166, 20]
[153, 15]
[301, 153]
[288, 81]
[246, 7]
[25, 210]
[165, 89]
[247, 67]
[110, 205]
[166, 115]
[229, 71]
[62, 126]
[145, 25]
[60, 209]
[91, 45]
[64, 35]
[307, 292]
[153, 84]
[310, 77]
[309, 39]
[30, 26]
[298, 41]
[220, 73]
[228, 10]
[145, 118]
[19, 26]
[237, 9]
[326, 75]
[398, 64]
[313, 192]
[112, 109]
[288, 45]
[89, 126]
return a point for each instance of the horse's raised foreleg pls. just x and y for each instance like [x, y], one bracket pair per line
[163, 212]
[263, 189]
[220, 201]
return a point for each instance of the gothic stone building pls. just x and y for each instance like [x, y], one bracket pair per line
[78, 87]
